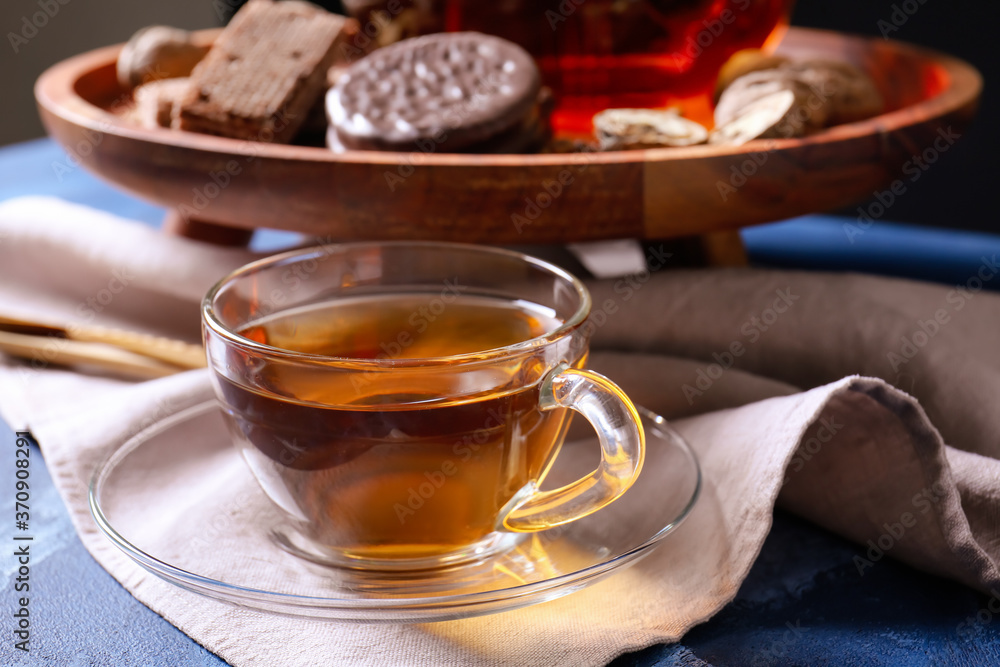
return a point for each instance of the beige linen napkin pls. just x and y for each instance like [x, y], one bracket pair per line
[761, 357]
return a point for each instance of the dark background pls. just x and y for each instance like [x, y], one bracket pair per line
[961, 189]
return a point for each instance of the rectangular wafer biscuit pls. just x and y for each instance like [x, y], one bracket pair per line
[264, 72]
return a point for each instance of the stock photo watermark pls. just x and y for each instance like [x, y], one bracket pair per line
[469, 444]
[901, 13]
[369, 34]
[914, 168]
[22, 540]
[955, 300]
[31, 26]
[778, 650]
[83, 149]
[742, 172]
[86, 312]
[562, 13]
[486, 88]
[712, 29]
[462, 451]
[421, 319]
[219, 180]
[752, 330]
[92, 138]
[974, 625]
[551, 190]
[827, 431]
[892, 532]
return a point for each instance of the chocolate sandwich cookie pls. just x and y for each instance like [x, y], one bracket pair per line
[446, 93]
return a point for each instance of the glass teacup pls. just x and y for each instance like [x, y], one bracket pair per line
[403, 402]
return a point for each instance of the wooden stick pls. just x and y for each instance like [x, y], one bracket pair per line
[175, 352]
[64, 352]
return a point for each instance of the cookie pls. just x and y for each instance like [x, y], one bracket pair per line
[157, 52]
[529, 136]
[849, 94]
[744, 62]
[626, 129]
[793, 99]
[156, 102]
[769, 116]
[265, 71]
[751, 87]
[453, 92]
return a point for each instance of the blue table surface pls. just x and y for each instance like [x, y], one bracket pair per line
[803, 603]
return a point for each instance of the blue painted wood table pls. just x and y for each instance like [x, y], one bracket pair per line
[804, 602]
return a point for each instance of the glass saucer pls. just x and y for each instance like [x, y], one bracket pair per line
[179, 501]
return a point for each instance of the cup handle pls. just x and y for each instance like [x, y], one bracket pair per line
[623, 449]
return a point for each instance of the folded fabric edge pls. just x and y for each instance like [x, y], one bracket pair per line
[812, 493]
[806, 409]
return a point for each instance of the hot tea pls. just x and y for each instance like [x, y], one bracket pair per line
[403, 426]
[412, 463]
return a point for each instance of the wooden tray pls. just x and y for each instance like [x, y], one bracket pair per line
[657, 193]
